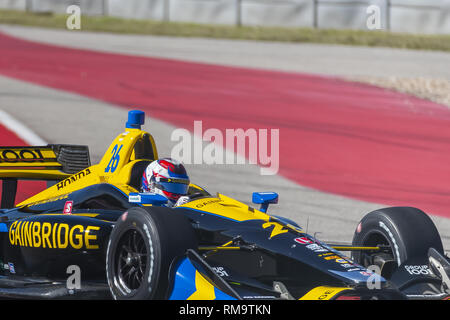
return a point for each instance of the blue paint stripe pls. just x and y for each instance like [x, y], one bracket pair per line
[184, 285]
[3, 227]
[220, 295]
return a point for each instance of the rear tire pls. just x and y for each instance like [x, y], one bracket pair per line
[409, 233]
[142, 246]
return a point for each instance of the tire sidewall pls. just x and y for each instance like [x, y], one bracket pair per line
[378, 223]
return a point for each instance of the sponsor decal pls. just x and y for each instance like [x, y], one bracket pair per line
[344, 263]
[417, 270]
[322, 293]
[36, 234]
[316, 248]
[115, 158]
[23, 155]
[221, 272]
[68, 207]
[11, 267]
[325, 295]
[135, 198]
[327, 254]
[336, 258]
[303, 240]
[205, 203]
[73, 178]
[311, 245]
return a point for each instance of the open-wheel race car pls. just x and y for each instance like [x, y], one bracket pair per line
[125, 244]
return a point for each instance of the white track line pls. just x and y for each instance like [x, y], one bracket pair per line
[21, 130]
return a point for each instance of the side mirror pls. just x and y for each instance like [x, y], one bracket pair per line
[147, 198]
[264, 198]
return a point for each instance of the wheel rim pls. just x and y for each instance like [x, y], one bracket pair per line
[131, 261]
[373, 239]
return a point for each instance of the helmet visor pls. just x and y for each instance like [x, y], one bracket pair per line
[177, 186]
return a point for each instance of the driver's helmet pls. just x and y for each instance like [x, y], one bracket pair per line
[167, 177]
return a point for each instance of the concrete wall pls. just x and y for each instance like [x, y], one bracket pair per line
[136, 9]
[90, 7]
[13, 4]
[432, 17]
[416, 16]
[204, 11]
[289, 13]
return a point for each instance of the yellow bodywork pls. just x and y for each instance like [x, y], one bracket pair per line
[204, 289]
[323, 293]
[119, 159]
[226, 207]
[30, 163]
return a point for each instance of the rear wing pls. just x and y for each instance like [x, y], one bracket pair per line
[53, 162]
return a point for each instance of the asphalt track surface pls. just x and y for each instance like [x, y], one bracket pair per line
[405, 137]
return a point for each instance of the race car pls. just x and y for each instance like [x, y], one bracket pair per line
[93, 234]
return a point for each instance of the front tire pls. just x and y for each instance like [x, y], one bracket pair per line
[142, 246]
[407, 232]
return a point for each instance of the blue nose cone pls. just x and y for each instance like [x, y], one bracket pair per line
[136, 119]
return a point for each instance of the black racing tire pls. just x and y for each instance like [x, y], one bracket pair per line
[409, 232]
[142, 246]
